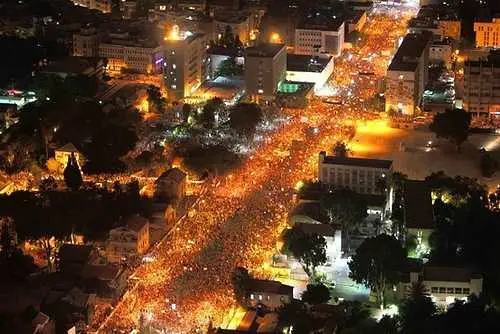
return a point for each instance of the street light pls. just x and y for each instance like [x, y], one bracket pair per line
[275, 37]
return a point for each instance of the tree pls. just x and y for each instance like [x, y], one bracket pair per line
[489, 165]
[308, 249]
[155, 98]
[452, 125]
[207, 117]
[340, 149]
[72, 174]
[240, 281]
[376, 264]
[417, 310]
[229, 68]
[316, 294]
[244, 117]
[387, 325]
[347, 208]
[290, 314]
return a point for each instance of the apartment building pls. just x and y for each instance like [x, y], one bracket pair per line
[358, 174]
[265, 69]
[141, 56]
[320, 35]
[185, 58]
[482, 86]
[128, 241]
[487, 34]
[441, 20]
[103, 6]
[407, 75]
[86, 43]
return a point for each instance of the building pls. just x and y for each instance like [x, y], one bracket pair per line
[356, 20]
[272, 294]
[185, 56]
[71, 259]
[107, 281]
[441, 51]
[439, 19]
[128, 241]
[333, 238]
[238, 22]
[62, 154]
[407, 75]
[320, 35]
[358, 174]
[482, 86]
[103, 6]
[418, 214]
[445, 284]
[126, 54]
[487, 34]
[265, 69]
[313, 69]
[86, 43]
[171, 185]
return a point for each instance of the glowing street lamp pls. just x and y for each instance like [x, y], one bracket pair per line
[275, 38]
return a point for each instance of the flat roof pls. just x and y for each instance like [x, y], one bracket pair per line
[321, 22]
[306, 63]
[324, 230]
[360, 162]
[264, 50]
[448, 274]
[418, 209]
[261, 285]
[410, 50]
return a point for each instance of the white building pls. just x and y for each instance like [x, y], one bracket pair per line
[316, 36]
[145, 57]
[129, 240]
[238, 22]
[444, 284]
[358, 174]
[441, 51]
[313, 69]
[407, 75]
[482, 86]
[184, 71]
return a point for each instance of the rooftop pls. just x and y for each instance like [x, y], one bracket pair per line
[410, 51]
[313, 210]
[136, 222]
[324, 230]
[259, 285]
[69, 147]
[317, 21]
[264, 50]
[175, 174]
[359, 162]
[449, 274]
[418, 205]
[105, 272]
[75, 253]
[305, 63]
[73, 65]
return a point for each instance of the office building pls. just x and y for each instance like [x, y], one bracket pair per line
[238, 22]
[439, 19]
[125, 53]
[103, 6]
[482, 86]
[185, 56]
[487, 34]
[313, 69]
[320, 35]
[265, 69]
[358, 174]
[407, 75]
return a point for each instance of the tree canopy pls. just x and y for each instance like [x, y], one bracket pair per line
[308, 249]
[376, 264]
[244, 117]
[417, 310]
[72, 175]
[316, 294]
[452, 125]
[240, 281]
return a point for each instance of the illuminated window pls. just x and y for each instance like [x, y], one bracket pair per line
[260, 297]
[466, 291]
[252, 296]
[260, 91]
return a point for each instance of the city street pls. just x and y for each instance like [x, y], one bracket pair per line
[238, 222]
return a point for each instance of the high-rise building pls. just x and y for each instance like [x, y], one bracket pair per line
[265, 69]
[488, 33]
[184, 71]
[482, 86]
[407, 74]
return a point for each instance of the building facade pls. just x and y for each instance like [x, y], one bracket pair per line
[358, 174]
[407, 75]
[86, 43]
[482, 86]
[265, 69]
[136, 56]
[313, 39]
[272, 294]
[239, 24]
[487, 34]
[128, 241]
[313, 69]
[185, 60]
[171, 185]
[103, 6]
